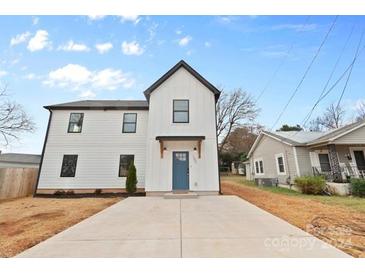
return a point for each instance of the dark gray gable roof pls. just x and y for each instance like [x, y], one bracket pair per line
[183, 64]
[20, 158]
[103, 104]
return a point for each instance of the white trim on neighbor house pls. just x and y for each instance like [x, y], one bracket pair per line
[277, 156]
[351, 149]
[296, 160]
[261, 170]
[258, 139]
[346, 132]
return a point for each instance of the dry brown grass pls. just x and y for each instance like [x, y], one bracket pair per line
[338, 225]
[25, 222]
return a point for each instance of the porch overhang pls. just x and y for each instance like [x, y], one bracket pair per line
[198, 139]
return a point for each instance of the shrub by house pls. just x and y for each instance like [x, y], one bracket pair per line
[358, 187]
[310, 184]
[131, 182]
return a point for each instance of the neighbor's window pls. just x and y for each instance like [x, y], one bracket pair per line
[69, 166]
[181, 111]
[324, 162]
[280, 163]
[259, 167]
[75, 123]
[129, 122]
[124, 163]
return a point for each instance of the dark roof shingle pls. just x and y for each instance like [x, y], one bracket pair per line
[103, 104]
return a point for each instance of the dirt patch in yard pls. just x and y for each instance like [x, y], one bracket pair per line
[339, 226]
[28, 221]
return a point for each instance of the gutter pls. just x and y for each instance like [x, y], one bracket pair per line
[43, 150]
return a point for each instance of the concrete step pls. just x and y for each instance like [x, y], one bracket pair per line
[185, 195]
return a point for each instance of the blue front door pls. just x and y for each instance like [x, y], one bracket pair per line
[180, 170]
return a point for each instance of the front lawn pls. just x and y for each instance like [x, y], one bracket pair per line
[339, 221]
[25, 222]
[354, 203]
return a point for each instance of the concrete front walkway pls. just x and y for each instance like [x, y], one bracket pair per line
[208, 226]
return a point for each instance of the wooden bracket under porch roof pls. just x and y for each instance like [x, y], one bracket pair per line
[161, 139]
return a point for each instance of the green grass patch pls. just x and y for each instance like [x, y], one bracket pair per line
[354, 203]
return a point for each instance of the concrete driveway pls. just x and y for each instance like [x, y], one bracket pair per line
[208, 226]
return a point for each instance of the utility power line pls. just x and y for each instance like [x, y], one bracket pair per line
[271, 79]
[306, 72]
[350, 72]
[307, 117]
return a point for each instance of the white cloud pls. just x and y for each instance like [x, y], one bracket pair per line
[87, 94]
[130, 18]
[178, 32]
[20, 38]
[95, 17]
[185, 41]
[71, 75]
[39, 41]
[30, 76]
[3, 73]
[207, 44]
[35, 20]
[104, 47]
[77, 77]
[132, 48]
[72, 46]
[111, 79]
[295, 27]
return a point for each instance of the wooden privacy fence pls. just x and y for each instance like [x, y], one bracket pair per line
[17, 182]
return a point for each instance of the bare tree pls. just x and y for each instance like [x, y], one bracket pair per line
[233, 109]
[360, 111]
[13, 119]
[332, 118]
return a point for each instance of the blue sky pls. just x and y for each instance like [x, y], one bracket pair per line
[52, 59]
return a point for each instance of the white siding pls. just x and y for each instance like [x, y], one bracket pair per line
[266, 150]
[203, 172]
[98, 147]
[355, 137]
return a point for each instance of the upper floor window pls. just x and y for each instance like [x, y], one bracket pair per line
[181, 111]
[75, 123]
[69, 163]
[129, 122]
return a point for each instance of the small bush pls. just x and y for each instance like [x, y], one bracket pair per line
[310, 184]
[131, 183]
[358, 187]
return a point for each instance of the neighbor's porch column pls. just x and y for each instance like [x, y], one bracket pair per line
[335, 164]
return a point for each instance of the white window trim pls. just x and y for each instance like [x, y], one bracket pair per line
[263, 167]
[277, 163]
[353, 154]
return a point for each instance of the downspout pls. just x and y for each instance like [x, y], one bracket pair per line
[43, 150]
[216, 136]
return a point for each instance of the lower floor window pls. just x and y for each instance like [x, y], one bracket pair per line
[259, 167]
[324, 162]
[69, 163]
[124, 162]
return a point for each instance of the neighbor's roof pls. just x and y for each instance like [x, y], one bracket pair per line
[307, 138]
[103, 104]
[298, 137]
[179, 65]
[337, 133]
[20, 158]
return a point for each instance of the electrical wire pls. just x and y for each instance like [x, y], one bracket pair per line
[306, 72]
[308, 116]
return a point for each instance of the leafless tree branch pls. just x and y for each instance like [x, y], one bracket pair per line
[13, 118]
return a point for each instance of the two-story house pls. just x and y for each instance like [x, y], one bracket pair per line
[170, 137]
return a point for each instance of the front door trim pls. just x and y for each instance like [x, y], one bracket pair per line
[179, 183]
